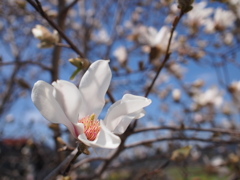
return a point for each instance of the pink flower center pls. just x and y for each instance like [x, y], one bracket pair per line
[91, 127]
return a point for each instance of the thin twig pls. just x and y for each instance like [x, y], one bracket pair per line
[61, 169]
[21, 63]
[213, 130]
[182, 138]
[88, 160]
[167, 55]
[62, 45]
[65, 10]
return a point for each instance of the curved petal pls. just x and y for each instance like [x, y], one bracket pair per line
[93, 87]
[68, 97]
[162, 35]
[128, 108]
[105, 139]
[43, 99]
[126, 120]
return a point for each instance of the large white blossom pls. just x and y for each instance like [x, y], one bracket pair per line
[79, 109]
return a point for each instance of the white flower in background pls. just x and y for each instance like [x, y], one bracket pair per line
[101, 36]
[235, 6]
[211, 96]
[121, 54]
[198, 118]
[155, 43]
[176, 95]
[234, 2]
[216, 165]
[217, 161]
[221, 20]
[172, 13]
[227, 38]
[234, 89]
[198, 15]
[79, 109]
[47, 39]
[227, 123]
[153, 38]
[149, 36]
[176, 69]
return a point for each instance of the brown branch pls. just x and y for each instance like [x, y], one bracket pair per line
[65, 165]
[129, 131]
[167, 55]
[21, 63]
[62, 45]
[182, 138]
[213, 130]
[67, 8]
[88, 160]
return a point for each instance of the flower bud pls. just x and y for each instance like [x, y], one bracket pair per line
[185, 5]
[47, 39]
[80, 63]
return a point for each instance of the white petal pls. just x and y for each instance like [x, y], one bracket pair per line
[43, 99]
[126, 120]
[37, 33]
[161, 35]
[68, 97]
[105, 139]
[122, 112]
[93, 87]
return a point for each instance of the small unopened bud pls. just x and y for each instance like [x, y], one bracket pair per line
[185, 5]
[47, 38]
[80, 63]
[176, 95]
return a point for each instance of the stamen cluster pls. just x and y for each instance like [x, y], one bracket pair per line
[91, 127]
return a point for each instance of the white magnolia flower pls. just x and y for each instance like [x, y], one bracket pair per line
[79, 109]
[221, 20]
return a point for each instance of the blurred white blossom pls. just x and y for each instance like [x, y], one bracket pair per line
[176, 95]
[234, 89]
[211, 96]
[101, 37]
[121, 54]
[221, 20]
[198, 15]
[47, 39]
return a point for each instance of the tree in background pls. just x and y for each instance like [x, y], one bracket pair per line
[183, 56]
